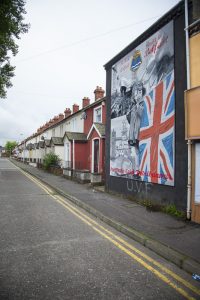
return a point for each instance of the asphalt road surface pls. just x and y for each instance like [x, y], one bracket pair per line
[51, 249]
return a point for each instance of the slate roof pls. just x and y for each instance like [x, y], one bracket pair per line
[77, 136]
[101, 128]
[57, 141]
[36, 145]
[47, 143]
[30, 146]
[41, 144]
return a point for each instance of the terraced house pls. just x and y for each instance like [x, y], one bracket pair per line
[77, 137]
[153, 151]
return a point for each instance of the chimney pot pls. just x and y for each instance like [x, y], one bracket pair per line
[85, 102]
[61, 117]
[99, 93]
[75, 108]
[67, 112]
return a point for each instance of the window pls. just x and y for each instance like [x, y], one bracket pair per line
[74, 125]
[98, 114]
[61, 130]
[53, 132]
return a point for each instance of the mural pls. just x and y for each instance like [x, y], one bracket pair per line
[143, 110]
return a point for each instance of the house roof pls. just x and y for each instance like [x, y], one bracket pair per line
[47, 143]
[77, 136]
[97, 102]
[36, 145]
[57, 141]
[100, 129]
[30, 146]
[41, 144]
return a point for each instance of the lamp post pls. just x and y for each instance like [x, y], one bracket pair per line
[23, 148]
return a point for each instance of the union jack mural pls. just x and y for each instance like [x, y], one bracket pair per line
[157, 134]
[142, 143]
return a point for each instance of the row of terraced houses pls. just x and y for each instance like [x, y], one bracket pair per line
[77, 137]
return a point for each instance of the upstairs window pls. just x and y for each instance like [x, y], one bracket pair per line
[74, 125]
[61, 130]
[98, 114]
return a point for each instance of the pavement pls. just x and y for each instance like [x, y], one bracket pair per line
[176, 240]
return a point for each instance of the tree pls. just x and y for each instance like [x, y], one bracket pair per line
[11, 26]
[10, 146]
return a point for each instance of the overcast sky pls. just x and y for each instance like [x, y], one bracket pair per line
[61, 58]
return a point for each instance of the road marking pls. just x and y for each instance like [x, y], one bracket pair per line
[93, 223]
[153, 261]
[166, 270]
[135, 257]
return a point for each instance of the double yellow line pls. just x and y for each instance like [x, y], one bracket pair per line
[124, 246]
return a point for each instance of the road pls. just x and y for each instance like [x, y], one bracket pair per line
[51, 249]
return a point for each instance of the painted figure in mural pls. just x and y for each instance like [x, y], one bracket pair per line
[120, 95]
[134, 117]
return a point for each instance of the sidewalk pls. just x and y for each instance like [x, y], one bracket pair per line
[174, 239]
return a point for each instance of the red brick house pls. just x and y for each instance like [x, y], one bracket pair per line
[86, 150]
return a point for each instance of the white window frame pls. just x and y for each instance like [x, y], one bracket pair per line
[94, 113]
[61, 130]
[74, 125]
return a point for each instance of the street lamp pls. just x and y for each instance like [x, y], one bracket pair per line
[23, 148]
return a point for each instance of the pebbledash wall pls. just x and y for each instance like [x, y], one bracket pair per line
[155, 168]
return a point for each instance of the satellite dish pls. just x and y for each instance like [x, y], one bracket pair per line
[84, 116]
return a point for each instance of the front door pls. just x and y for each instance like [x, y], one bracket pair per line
[67, 155]
[96, 156]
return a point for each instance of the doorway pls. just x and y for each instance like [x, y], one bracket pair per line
[96, 156]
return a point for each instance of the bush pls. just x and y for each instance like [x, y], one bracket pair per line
[51, 160]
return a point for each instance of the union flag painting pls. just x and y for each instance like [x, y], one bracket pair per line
[156, 149]
[142, 143]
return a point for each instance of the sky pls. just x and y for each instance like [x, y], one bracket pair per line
[61, 59]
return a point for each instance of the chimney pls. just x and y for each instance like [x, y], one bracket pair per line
[85, 102]
[40, 129]
[46, 125]
[50, 123]
[99, 93]
[61, 117]
[67, 112]
[54, 120]
[75, 108]
[57, 119]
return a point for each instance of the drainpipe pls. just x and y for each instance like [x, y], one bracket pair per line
[73, 158]
[189, 142]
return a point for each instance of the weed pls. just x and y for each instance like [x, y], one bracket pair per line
[172, 210]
